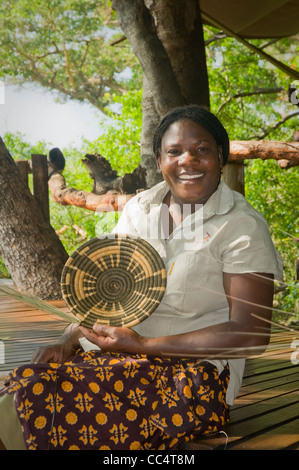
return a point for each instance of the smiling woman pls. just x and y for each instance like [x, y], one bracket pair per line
[190, 162]
[174, 375]
[190, 157]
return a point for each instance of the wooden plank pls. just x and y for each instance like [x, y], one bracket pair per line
[23, 329]
[266, 366]
[258, 407]
[237, 436]
[277, 438]
[24, 170]
[269, 381]
[233, 176]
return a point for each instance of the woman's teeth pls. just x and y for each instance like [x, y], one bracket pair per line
[190, 177]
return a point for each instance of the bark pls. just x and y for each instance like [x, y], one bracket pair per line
[138, 26]
[70, 196]
[150, 120]
[285, 164]
[264, 149]
[105, 179]
[179, 28]
[29, 246]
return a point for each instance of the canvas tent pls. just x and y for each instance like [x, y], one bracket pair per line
[255, 18]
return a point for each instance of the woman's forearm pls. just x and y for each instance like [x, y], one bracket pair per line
[229, 339]
[218, 341]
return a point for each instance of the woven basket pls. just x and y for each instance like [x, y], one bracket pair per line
[118, 280]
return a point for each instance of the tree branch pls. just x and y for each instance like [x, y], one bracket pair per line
[68, 196]
[265, 149]
[278, 124]
[260, 91]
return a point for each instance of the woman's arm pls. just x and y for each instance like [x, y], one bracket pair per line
[246, 333]
[63, 349]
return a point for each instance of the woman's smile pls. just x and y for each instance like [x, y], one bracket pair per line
[190, 162]
[189, 177]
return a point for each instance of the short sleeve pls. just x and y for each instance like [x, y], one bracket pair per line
[248, 247]
[125, 224]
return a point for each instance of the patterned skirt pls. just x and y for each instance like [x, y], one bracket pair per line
[116, 401]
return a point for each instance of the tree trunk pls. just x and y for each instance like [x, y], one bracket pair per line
[29, 246]
[179, 28]
[139, 28]
[167, 38]
[150, 120]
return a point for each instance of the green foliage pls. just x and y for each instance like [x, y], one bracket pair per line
[274, 193]
[64, 46]
[3, 270]
[247, 93]
[119, 141]
[20, 149]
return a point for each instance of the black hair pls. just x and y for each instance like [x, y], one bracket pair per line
[198, 114]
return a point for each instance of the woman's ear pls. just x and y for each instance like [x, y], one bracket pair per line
[159, 163]
[220, 156]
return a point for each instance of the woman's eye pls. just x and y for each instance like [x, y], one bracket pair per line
[202, 149]
[173, 152]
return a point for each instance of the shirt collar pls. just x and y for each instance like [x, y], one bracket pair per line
[221, 201]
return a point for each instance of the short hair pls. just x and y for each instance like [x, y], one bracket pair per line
[198, 114]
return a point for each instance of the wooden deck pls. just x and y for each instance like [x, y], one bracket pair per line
[266, 413]
[23, 329]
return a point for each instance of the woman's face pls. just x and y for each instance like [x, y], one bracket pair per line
[190, 162]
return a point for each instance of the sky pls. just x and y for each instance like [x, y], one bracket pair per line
[33, 112]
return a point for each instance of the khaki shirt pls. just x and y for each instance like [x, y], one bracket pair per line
[224, 235]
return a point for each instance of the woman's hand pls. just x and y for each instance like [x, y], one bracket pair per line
[111, 338]
[61, 351]
[58, 353]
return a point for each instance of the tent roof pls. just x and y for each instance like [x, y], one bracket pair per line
[255, 18]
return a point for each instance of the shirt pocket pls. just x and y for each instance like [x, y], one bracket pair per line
[203, 287]
[176, 275]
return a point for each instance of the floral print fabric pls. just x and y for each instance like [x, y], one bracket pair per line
[116, 401]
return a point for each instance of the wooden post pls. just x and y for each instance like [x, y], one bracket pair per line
[24, 169]
[40, 183]
[233, 176]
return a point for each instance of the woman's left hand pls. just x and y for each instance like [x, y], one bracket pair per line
[112, 338]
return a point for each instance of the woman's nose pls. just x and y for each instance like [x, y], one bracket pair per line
[186, 158]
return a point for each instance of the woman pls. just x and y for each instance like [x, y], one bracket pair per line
[175, 375]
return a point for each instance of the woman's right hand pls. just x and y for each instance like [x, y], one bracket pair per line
[58, 353]
[61, 351]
